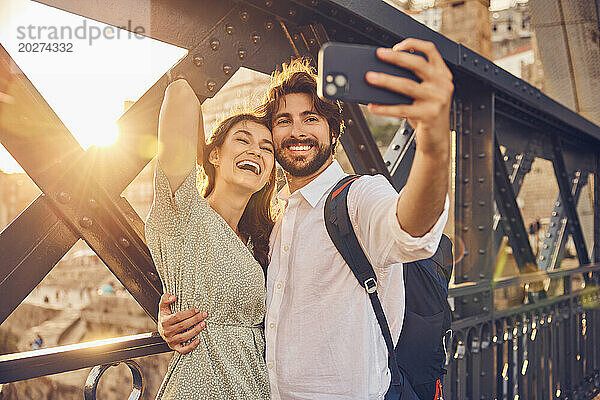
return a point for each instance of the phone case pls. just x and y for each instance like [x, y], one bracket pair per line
[344, 66]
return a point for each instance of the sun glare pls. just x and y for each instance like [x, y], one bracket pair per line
[86, 88]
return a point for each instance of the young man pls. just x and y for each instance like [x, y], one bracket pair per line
[322, 338]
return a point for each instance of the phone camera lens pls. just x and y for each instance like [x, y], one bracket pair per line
[340, 80]
[330, 89]
[329, 78]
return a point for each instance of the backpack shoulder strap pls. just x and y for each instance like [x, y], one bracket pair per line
[341, 232]
[339, 227]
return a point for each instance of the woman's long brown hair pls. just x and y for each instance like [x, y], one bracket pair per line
[259, 215]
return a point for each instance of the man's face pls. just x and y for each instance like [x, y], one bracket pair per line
[300, 135]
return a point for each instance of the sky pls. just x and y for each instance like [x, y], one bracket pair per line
[86, 87]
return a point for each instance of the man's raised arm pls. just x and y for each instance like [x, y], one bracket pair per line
[424, 195]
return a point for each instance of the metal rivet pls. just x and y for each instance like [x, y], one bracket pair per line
[480, 227]
[362, 147]
[312, 42]
[86, 222]
[482, 106]
[486, 68]
[466, 156]
[482, 203]
[467, 131]
[465, 228]
[242, 53]
[210, 85]
[227, 69]
[292, 12]
[198, 60]
[373, 170]
[351, 21]
[465, 204]
[522, 249]
[268, 25]
[214, 44]
[64, 197]
[481, 179]
[229, 29]
[503, 189]
[314, 2]
[481, 131]
[465, 277]
[481, 251]
[481, 155]
[467, 108]
[481, 275]
[124, 242]
[475, 299]
[466, 180]
[475, 61]
[268, 3]
[255, 38]
[350, 122]
[465, 56]
[244, 15]
[485, 309]
[369, 29]
[153, 277]
[517, 84]
[296, 36]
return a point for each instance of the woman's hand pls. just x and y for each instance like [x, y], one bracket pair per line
[176, 329]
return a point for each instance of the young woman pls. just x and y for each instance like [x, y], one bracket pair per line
[211, 249]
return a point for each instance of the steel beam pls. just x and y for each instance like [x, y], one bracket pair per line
[34, 135]
[400, 154]
[54, 360]
[520, 165]
[560, 171]
[557, 233]
[30, 246]
[511, 220]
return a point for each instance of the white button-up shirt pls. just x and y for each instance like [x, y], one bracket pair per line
[322, 337]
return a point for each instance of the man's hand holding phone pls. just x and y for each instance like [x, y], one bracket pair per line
[432, 97]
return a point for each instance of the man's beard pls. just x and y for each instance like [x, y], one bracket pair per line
[302, 166]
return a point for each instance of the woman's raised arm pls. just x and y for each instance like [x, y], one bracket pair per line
[180, 132]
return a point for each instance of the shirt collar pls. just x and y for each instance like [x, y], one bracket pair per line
[316, 189]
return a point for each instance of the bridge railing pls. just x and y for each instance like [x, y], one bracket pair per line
[543, 350]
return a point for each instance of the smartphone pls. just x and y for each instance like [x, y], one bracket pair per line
[342, 68]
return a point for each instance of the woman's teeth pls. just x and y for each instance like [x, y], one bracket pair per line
[249, 166]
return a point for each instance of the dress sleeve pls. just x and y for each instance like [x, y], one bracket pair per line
[372, 202]
[170, 212]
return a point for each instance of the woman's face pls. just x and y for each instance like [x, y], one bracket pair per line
[246, 157]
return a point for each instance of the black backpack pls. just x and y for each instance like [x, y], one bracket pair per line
[417, 363]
